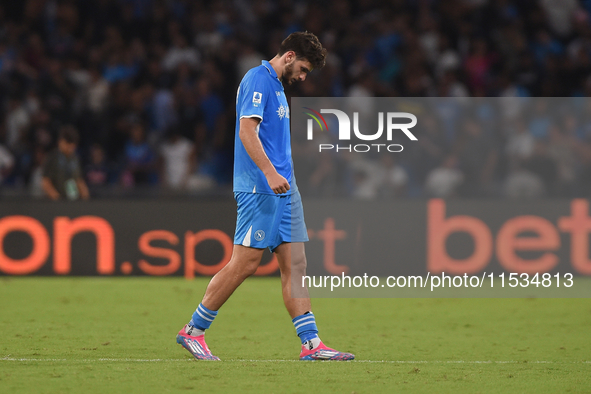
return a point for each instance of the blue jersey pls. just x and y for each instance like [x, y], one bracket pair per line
[260, 95]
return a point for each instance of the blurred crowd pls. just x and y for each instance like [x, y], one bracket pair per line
[150, 87]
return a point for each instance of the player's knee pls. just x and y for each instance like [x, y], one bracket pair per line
[250, 270]
[298, 265]
[250, 267]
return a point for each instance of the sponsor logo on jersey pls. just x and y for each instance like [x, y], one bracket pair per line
[283, 112]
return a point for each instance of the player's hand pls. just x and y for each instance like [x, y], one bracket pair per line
[277, 183]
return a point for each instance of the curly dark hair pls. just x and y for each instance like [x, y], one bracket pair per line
[306, 46]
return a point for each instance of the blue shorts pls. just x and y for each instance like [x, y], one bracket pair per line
[266, 221]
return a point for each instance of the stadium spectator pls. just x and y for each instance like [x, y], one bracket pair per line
[520, 142]
[394, 178]
[97, 172]
[62, 176]
[478, 65]
[140, 160]
[177, 160]
[97, 92]
[42, 131]
[180, 53]
[6, 163]
[35, 183]
[522, 183]
[560, 150]
[365, 178]
[17, 121]
[478, 157]
[445, 180]
[560, 15]
[542, 164]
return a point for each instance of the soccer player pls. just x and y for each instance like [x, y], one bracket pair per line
[270, 213]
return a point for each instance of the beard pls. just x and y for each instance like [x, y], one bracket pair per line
[288, 74]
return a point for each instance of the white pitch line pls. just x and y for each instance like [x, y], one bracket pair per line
[160, 360]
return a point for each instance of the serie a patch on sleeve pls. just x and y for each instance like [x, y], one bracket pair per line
[257, 98]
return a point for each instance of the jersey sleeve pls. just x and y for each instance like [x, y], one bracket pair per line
[252, 97]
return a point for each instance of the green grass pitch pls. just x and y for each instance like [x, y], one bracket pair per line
[117, 335]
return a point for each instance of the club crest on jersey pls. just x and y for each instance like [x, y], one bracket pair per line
[257, 98]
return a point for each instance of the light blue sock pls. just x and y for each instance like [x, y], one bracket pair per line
[202, 318]
[305, 326]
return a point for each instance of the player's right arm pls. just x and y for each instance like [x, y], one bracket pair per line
[254, 148]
